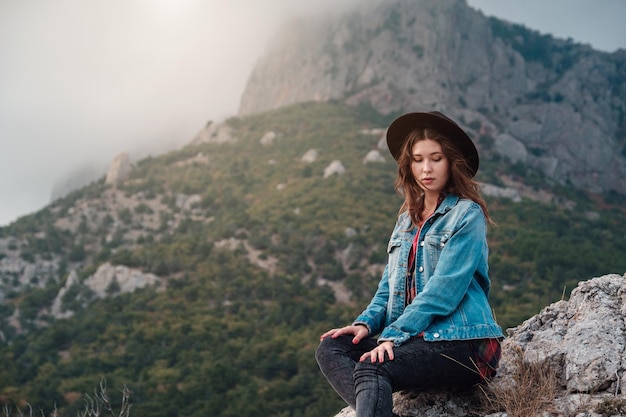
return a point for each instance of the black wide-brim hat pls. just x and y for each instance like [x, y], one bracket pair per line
[400, 129]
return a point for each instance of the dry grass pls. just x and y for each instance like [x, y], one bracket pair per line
[530, 390]
[97, 406]
[100, 404]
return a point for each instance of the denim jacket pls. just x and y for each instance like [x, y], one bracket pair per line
[451, 278]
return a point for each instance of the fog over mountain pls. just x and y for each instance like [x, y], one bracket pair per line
[81, 82]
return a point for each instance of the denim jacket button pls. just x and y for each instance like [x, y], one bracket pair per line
[422, 243]
[421, 269]
[435, 334]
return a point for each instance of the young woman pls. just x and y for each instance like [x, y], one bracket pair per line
[429, 325]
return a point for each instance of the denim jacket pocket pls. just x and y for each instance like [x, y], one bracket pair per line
[435, 242]
[394, 252]
[393, 244]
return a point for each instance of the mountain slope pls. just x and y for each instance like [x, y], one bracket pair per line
[258, 251]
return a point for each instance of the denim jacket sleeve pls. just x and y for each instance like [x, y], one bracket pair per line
[457, 265]
[373, 317]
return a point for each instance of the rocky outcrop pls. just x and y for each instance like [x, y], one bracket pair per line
[57, 310]
[214, 133]
[373, 156]
[17, 273]
[268, 138]
[118, 279]
[553, 105]
[187, 202]
[119, 170]
[108, 280]
[501, 192]
[310, 156]
[576, 349]
[511, 148]
[334, 168]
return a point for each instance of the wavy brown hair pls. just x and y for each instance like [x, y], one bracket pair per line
[461, 181]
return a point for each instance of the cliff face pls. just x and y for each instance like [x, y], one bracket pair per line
[550, 104]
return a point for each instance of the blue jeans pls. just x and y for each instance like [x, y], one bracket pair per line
[417, 366]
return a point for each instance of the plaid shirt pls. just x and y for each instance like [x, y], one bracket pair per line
[486, 356]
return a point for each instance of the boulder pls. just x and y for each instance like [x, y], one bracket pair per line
[335, 167]
[309, 156]
[373, 156]
[214, 133]
[268, 138]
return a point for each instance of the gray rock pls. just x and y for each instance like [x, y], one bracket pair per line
[373, 156]
[309, 156]
[334, 168]
[119, 170]
[128, 279]
[57, 311]
[214, 133]
[125, 280]
[511, 148]
[501, 192]
[187, 202]
[268, 138]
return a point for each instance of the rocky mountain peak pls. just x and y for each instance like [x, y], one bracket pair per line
[550, 104]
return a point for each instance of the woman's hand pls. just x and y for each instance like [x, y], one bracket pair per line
[359, 331]
[378, 353]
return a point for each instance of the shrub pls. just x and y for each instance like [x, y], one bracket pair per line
[612, 407]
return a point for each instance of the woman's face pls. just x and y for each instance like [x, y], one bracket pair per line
[430, 167]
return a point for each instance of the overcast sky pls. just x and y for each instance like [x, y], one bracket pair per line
[81, 81]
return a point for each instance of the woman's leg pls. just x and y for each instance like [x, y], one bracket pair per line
[417, 365]
[337, 359]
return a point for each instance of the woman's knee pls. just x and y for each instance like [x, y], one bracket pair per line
[328, 347]
[321, 351]
[369, 369]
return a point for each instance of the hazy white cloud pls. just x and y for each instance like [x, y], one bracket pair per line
[83, 80]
